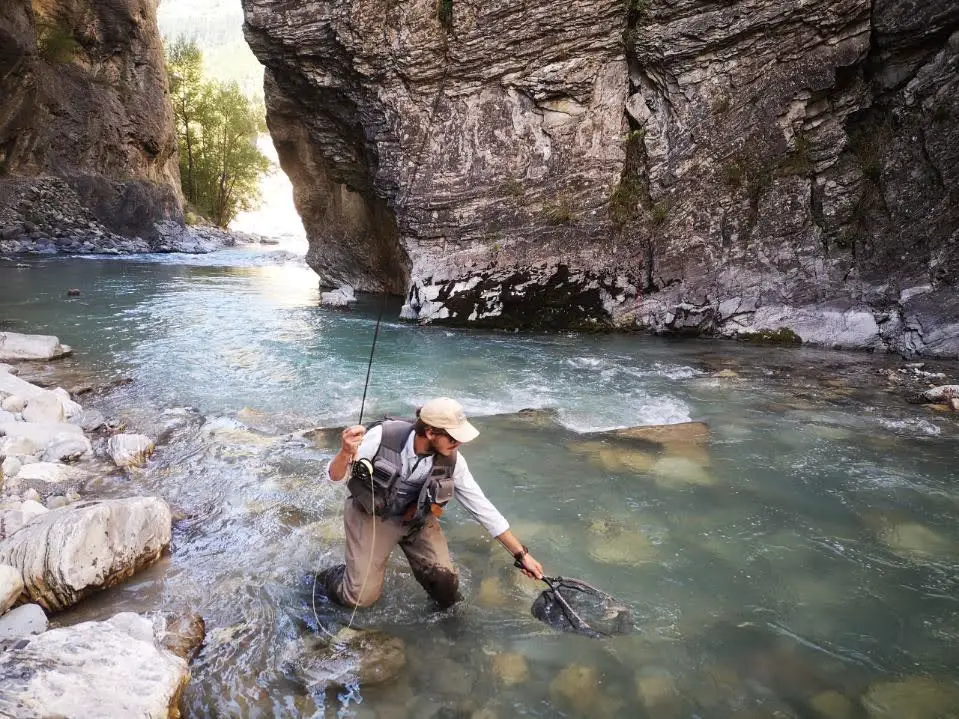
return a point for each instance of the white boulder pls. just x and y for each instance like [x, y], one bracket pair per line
[13, 403]
[23, 621]
[11, 586]
[69, 553]
[341, 297]
[10, 467]
[13, 519]
[44, 408]
[58, 441]
[15, 346]
[130, 450]
[19, 447]
[111, 670]
[27, 392]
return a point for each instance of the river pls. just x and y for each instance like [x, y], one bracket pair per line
[805, 555]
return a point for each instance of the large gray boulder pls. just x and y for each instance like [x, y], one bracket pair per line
[68, 553]
[114, 669]
[15, 346]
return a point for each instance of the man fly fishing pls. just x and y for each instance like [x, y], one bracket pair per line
[401, 477]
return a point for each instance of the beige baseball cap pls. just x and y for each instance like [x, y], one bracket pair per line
[446, 413]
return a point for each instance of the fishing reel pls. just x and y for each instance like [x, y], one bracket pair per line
[362, 471]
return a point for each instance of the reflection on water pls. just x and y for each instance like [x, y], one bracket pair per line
[790, 550]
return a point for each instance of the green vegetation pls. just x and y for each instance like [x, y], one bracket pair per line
[782, 336]
[624, 201]
[560, 212]
[513, 188]
[733, 174]
[721, 105]
[444, 13]
[56, 43]
[659, 213]
[216, 26]
[798, 162]
[216, 126]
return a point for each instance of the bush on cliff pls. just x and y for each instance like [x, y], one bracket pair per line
[217, 126]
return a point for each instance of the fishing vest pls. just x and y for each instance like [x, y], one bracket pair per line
[380, 489]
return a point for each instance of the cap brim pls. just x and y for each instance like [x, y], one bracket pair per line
[463, 433]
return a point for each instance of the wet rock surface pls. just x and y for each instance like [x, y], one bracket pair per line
[65, 554]
[364, 657]
[113, 668]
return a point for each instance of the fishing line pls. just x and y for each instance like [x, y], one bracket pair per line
[369, 368]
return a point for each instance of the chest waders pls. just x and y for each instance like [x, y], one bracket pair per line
[379, 487]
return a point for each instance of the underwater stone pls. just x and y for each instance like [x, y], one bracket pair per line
[511, 668]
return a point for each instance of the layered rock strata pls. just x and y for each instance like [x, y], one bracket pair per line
[87, 144]
[727, 167]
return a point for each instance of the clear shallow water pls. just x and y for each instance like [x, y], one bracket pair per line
[808, 546]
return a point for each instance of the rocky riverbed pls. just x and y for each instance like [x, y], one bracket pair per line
[59, 544]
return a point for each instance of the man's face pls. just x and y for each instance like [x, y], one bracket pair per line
[441, 442]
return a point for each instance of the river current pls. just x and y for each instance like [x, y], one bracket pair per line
[800, 560]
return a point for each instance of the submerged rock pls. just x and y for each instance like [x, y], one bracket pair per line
[833, 705]
[676, 472]
[580, 687]
[114, 669]
[913, 698]
[361, 656]
[67, 553]
[510, 668]
[914, 539]
[181, 634]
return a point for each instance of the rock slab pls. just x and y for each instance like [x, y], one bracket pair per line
[16, 346]
[68, 553]
[111, 670]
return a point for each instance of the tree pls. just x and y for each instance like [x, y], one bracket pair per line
[217, 127]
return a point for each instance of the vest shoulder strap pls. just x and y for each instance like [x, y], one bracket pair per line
[395, 434]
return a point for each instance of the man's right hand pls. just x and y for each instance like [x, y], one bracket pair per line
[351, 439]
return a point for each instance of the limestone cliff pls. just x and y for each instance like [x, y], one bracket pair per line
[85, 121]
[716, 166]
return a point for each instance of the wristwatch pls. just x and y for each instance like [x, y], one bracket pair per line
[518, 556]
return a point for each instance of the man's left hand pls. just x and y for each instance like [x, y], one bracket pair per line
[531, 568]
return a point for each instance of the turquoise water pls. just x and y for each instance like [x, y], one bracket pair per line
[803, 550]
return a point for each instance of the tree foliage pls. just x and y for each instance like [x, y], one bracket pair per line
[216, 126]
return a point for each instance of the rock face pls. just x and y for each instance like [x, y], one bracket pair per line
[105, 669]
[717, 167]
[65, 554]
[86, 128]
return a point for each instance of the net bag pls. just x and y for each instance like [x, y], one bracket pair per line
[570, 605]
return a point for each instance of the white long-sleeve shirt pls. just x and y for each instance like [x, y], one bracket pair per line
[465, 489]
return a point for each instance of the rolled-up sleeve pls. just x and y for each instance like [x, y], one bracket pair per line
[469, 494]
[367, 450]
